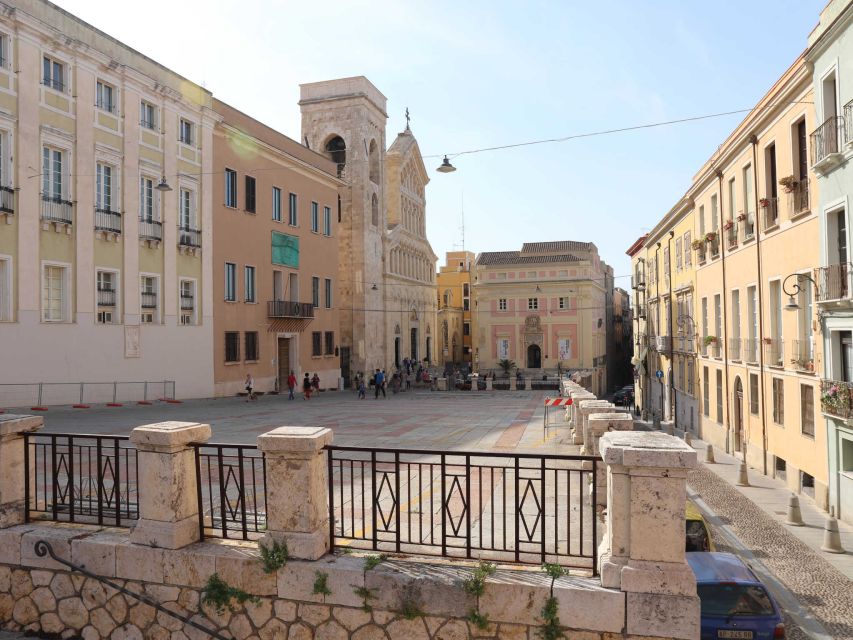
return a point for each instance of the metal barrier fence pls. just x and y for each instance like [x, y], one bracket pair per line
[504, 507]
[81, 478]
[58, 393]
[232, 491]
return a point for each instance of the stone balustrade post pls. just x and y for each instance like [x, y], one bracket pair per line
[577, 397]
[642, 552]
[12, 473]
[441, 384]
[587, 434]
[513, 383]
[168, 490]
[599, 424]
[580, 434]
[475, 378]
[528, 383]
[488, 384]
[297, 489]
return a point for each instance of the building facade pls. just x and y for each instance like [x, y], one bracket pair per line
[105, 242]
[275, 253]
[831, 144]
[543, 307]
[455, 305]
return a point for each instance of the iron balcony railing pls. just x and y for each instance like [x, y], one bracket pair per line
[80, 478]
[827, 139]
[107, 106]
[684, 344]
[836, 398]
[55, 209]
[747, 226]
[701, 253]
[774, 352]
[232, 491]
[769, 213]
[54, 83]
[734, 348]
[848, 120]
[7, 200]
[187, 303]
[802, 355]
[833, 282]
[497, 506]
[106, 220]
[715, 246]
[146, 124]
[150, 229]
[149, 300]
[731, 234]
[750, 350]
[106, 297]
[799, 198]
[189, 237]
[289, 309]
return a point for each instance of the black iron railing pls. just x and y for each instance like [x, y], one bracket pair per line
[106, 220]
[833, 282]
[150, 229]
[81, 478]
[56, 209]
[54, 83]
[232, 491]
[187, 303]
[7, 199]
[288, 309]
[827, 139]
[504, 507]
[189, 237]
[106, 297]
[836, 398]
[149, 300]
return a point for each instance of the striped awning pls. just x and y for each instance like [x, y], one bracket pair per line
[288, 325]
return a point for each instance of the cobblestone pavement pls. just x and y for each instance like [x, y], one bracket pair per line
[824, 593]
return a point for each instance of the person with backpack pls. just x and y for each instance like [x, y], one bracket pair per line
[306, 387]
[379, 383]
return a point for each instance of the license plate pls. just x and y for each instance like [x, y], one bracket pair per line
[746, 635]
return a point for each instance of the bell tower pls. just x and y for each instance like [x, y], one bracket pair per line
[345, 120]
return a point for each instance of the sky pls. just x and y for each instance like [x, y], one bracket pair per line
[479, 74]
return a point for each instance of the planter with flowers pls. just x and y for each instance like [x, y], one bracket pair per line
[741, 216]
[709, 340]
[710, 236]
[728, 224]
[768, 340]
[764, 203]
[696, 244]
[835, 399]
[790, 183]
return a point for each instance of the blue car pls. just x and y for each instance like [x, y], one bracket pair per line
[734, 602]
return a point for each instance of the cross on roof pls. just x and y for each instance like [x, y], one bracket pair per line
[407, 119]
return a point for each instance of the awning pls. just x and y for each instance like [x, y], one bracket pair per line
[288, 325]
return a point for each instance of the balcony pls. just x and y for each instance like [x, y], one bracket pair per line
[802, 355]
[149, 300]
[769, 213]
[106, 220]
[730, 233]
[774, 352]
[798, 198]
[700, 252]
[836, 398]
[750, 350]
[714, 243]
[187, 303]
[833, 282]
[848, 120]
[747, 222]
[712, 346]
[106, 297]
[663, 343]
[734, 349]
[150, 229]
[189, 237]
[827, 143]
[288, 309]
[56, 210]
[7, 200]
[684, 344]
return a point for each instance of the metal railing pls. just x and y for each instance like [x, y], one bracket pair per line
[836, 398]
[43, 394]
[150, 229]
[106, 297]
[7, 199]
[802, 355]
[798, 198]
[748, 226]
[80, 478]
[232, 491]
[187, 303]
[731, 234]
[848, 120]
[769, 213]
[684, 343]
[750, 350]
[774, 352]
[504, 507]
[189, 237]
[107, 220]
[56, 209]
[715, 247]
[289, 309]
[54, 83]
[701, 253]
[827, 139]
[147, 124]
[149, 300]
[734, 348]
[833, 282]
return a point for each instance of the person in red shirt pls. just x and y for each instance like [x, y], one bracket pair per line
[291, 385]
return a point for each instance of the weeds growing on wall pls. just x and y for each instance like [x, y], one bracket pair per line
[273, 556]
[321, 586]
[550, 629]
[476, 586]
[219, 594]
[366, 595]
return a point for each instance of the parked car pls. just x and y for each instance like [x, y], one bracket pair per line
[734, 602]
[698, 536]
[624, 396]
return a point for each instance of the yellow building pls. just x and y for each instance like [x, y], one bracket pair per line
[454, 309]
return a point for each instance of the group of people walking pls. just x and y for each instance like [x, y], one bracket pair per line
[309, 386]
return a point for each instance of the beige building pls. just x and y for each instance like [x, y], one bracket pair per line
[543, 307]
[105, 242]
[275, 253]
[455, 309]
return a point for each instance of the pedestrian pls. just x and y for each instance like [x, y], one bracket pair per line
[379, 384]
[384, 383]
[362, 392]
[250, 386]
[315, 382]
[306, 387]
[408, 380]
[291, 385]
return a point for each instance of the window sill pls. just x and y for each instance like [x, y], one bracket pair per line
[233, 364]
[800, 214]
[254, 213]
[229, 206]
[808, 436]
[251, 361]
[250, 302]
[230, 301]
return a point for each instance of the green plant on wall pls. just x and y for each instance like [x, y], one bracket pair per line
[273, 556]
[551, 628]
[476, 586]
[219, 594]
[321, 584]
[366, 595]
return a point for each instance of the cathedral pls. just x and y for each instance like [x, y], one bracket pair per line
[386, 266]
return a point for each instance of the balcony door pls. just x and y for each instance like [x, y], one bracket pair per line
[294, 287]
[277, 285]
[738, 411]
[846, 340]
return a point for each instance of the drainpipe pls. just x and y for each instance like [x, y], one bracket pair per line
[725, 336]
[753, 139]
[672, 395]
[657, 295]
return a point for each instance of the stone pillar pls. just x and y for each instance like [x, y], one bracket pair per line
[528, 383]
[168, 493]
[12, 472]
[643, 548]
[474, 382]
[599, 424]
[441, 384]
[586, 407]
[577, 397]
[606, 408]
[488, 384]
[297, 489]
[513, 383]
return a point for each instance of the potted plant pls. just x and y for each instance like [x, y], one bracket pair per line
[741, 216]
[768, 340]
[696, 244]
[710, 340]
[710, 236]
[728, 224]
[507, 366]
[789, 182]
[764, 203]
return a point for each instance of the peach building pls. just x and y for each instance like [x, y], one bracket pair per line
[275, 251]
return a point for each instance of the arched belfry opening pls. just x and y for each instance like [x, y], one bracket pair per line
[373, 154]
[336, 149]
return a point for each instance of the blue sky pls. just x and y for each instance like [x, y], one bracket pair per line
[479, 74]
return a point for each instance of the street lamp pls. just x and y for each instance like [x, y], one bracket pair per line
[446, 167]
[796, 289]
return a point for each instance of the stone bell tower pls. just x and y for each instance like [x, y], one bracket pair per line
[345, 119]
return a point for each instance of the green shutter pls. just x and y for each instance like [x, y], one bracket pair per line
[285, 250]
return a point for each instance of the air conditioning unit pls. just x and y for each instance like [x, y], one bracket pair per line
[662, 343]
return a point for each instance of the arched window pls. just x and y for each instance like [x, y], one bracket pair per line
[374, 211]
[336, 149]
[373, 155]
[448, 297]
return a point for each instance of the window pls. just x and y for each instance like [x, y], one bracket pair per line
[147, 115]
[53, 74]
[5, 289]
[719, 396]
[106, 288]
[706, 393]
[327, 221]
[753, 394]
[779, 401]
[315, 218]
[807, 409]
[330, 343]
[230, 282]
[715, 216]
[149, 299]
[748, 199]
[187, 293]
[532, 304]
[732, 199]
[691, 363]
[316, 343]
[285, 250]
[249, 284]
[688, 250]
[52, 178]
[251, 339]
[185, 209]
[186, 132]
[315, 291]
[718, 319]
[374, 211]
[231, 188]
[466, 328]
[250, 194]
[147, 210]
[4, 51]
[276, 204]
[328, 291]
[734, 352]
[752, 320]
[563, 303]
[704, 325]
[678, 254]
[502, 304]
[232, 346]
[54, 295]
[105, 96]
[103, 187]
[702, 221]
[292, 218]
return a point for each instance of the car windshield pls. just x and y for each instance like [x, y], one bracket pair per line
[734, 600]
[697, 536]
